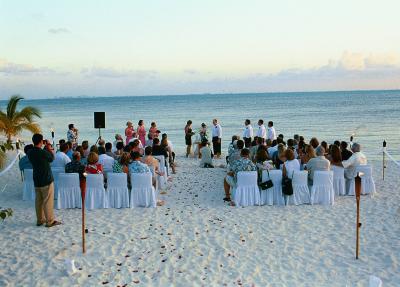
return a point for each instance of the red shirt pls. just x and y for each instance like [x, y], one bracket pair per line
[96, 168]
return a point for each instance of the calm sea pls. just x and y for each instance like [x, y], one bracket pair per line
[371, 115]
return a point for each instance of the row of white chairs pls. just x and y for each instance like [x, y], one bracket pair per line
[117, 195]
[326, 185]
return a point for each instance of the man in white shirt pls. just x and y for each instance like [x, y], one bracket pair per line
[319, 163]
[105, 160]
[216, 138]
[262, 132]
[61, 158]
[247, 133]
[357, 159]
[271, 131]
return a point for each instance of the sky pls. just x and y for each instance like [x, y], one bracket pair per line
[115, 48]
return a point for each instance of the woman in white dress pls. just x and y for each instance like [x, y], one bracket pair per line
[291, 164]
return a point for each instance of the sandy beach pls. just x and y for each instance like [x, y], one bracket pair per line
[197, 240]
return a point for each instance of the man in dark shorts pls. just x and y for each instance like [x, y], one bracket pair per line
[43, 181]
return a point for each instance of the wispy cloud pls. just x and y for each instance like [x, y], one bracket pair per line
[15, 69]
[104, 72]
[57, 31]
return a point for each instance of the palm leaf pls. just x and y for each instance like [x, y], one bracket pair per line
[27, 113]
[12, 105]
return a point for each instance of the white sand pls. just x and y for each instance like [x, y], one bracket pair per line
[197, 240]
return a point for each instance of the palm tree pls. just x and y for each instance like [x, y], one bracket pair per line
[13, 122]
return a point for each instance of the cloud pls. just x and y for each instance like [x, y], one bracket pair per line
[57, 31]
[104, 72]
[354, 61]
[9, 68]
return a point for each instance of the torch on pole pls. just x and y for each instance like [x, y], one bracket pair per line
[383, 160]
[52, 138]
[83, 195]
[358, 224]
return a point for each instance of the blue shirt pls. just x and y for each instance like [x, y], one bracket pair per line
[138, 167]
[243, 164]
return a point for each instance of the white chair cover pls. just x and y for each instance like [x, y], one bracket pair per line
[69, 191]
[246, 191]
[301, 193]
[374, 281]
[276, 177]
[163, 169]
[117, 190]
[367, 181]
[266, 195]
[142, 192]
[339, 183]
[95, 193]
[28, 192]
[322, 190]
[56, 171]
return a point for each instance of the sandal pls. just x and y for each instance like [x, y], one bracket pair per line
[227, 199]
[54, 223]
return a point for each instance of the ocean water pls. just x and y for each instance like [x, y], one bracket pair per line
[371, 116]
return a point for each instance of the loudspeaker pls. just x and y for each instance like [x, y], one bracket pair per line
[99, 120]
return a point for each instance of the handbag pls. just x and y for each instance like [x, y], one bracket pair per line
[267, 184]
[287, 187]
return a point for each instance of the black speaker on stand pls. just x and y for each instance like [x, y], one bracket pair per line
[99, 122]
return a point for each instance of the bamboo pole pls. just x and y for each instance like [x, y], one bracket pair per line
[83, 194]
[358, 224]
[383, 160]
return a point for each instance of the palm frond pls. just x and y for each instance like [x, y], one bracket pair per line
[12, 105]
[32, 127]
[27, 113]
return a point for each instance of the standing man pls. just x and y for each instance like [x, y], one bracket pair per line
[247, 133]
[216, 138]
[262, 132]
[72, 135]
[271, 131]
[43, 181]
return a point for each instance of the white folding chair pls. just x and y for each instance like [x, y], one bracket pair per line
[246, 192]
[117, 190]
[276, 177]
[339, 183]
[367, 181]
[142, 192]
[163, 169]
[95, 192]
[322, 189]
[28, 192]
[56, 171]
[266, 195]
[69, 191]
[301, 193]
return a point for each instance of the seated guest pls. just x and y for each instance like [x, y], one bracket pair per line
[135, 146]
[291, 164]
[119, 149]
[357, 159]
[102, 143]
[314, 142]
[149, 141]
[231, 147]
[109, 150]
[105, 160]
[319, 163]
[261, 160]
[93, 167]
[79, 149]
[118, 138]
[70, 151]
[136, 166]
[309, 154]
[242, 164]
[273, 148]
[170, 146]
[346, 154]
[206, 155]
[61, 158]
[94, 149]
[121, 165]
[255, 149]
[336, 156]
[60, 142]
[76, 166]
[278, 157]
[152, 163]
[171, 155]
[291, 145]
[337, 143]
[85, 146]
[236, 153]
[324, 144]
[24, 162]
[158, 149]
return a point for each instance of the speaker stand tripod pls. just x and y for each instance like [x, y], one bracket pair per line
[99, 138]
